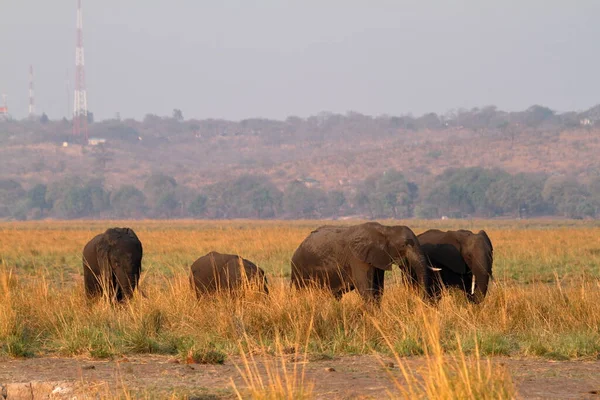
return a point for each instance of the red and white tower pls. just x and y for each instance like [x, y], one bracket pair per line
[80, 110]
[31, 96]
[3, 109]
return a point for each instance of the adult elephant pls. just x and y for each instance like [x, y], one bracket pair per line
[464, 260]
[112, 263]
[215, 271]
[344, 258]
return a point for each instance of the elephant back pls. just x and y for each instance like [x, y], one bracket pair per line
[320, 245]
[215, 269]
[436, 236]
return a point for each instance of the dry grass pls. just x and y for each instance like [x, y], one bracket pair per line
[545, 302]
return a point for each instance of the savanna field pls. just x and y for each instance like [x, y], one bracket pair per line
[538, 330]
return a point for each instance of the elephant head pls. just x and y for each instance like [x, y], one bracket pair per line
[478, 252]
[381, 246]
[119, 253]
[465, 259]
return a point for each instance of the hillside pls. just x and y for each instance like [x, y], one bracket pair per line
[330, 155]
[481, 162]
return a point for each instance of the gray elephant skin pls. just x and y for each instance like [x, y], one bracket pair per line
[464, 260]
[112, 264]
[344, 258]
[215, 271]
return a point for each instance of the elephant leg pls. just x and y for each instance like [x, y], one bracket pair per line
[119, 293]
[92, 284]
[114, 289]
[378, 281]
[362, 277]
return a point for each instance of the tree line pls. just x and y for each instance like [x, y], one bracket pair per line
[456, 193]
[158, 130]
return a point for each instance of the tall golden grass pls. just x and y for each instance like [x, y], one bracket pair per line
[545, 301]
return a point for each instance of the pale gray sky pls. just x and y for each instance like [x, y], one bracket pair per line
[240, 59]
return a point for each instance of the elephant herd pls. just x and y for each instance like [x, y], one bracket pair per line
[336, 258]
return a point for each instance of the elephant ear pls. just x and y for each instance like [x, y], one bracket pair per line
[483, 252]
[445, 256]
[371, 247]
[486, 238]
[103, 250]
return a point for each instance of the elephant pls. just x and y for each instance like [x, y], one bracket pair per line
[112, 263]
[344, 258]
[462, 258]
[215, 271]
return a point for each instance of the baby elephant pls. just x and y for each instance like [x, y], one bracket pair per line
[112, 264]
[216, 271]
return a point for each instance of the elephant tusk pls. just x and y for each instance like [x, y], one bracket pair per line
[435, 269]
[473, 285]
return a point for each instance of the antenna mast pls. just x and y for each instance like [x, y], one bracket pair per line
[31, 96]
[80, 110]
[4, 109]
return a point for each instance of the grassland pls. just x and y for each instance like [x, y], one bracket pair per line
[545, 301]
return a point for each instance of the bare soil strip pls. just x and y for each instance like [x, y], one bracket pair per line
[342, 377]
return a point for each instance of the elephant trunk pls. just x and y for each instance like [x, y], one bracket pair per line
[125, 283]
[419, 269]
[482, 272]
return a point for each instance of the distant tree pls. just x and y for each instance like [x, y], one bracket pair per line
[429, 121]
[75, 202]
[128, 202]
[102, 155]
[387, 194]
[11, 193]
[177, 114]
[570, 119]
[519, 195]
[99, 197]
[462, 191]
[74, 197]
[363, 203]
[249, 196]
[197, 207]
[336, 200]
[184, 196]
[152, 119]
[37, 198]
[536, 115]
[114, 131]
[300, 201]
[569, 198]
[155, 188]
[157, 184]
[261, 200]
[167, 205]
[593, 187]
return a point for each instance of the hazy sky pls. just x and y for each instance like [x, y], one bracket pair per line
[239, 59]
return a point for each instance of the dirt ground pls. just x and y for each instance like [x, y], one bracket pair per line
[339, 378]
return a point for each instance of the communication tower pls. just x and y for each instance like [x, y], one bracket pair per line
[31, 97]
[80, 110]
[4, 108]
